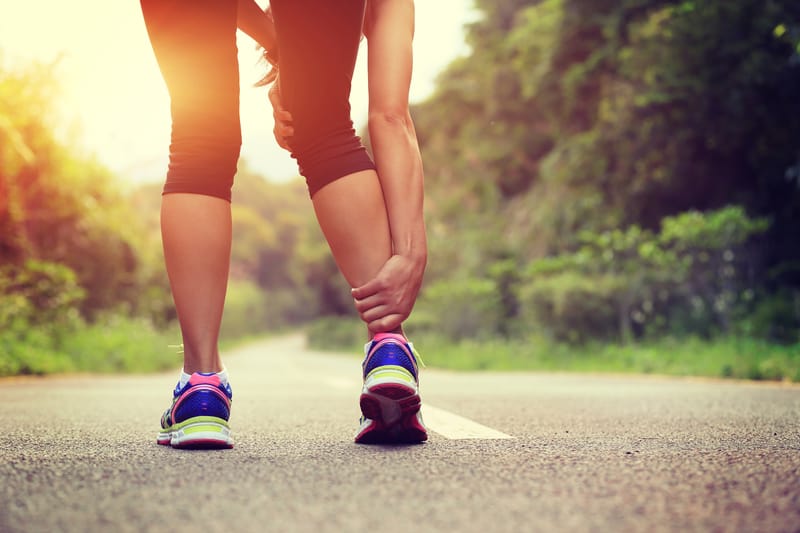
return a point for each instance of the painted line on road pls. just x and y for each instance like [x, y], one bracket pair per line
[456, 427]
[448, 425]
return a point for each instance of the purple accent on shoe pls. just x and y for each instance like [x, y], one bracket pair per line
[390, 349]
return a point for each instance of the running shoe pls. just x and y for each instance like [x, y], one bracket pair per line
[390, 402]
[198, 417]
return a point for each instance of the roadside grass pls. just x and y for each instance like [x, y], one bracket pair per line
[125, 345]
[117, 343]
[729, 357]
[113, 345]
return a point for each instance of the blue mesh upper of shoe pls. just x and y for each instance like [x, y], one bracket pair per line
[390, 354]
[202, 403]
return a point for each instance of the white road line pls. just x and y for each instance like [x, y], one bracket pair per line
[448, 425]
[456, 427]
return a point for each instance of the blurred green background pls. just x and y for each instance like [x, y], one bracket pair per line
[612, 185]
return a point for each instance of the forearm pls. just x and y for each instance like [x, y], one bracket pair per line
[397, 157]
[252, 20]
[390, 32]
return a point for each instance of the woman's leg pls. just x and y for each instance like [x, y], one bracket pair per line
[352, 215]
[318, 43]
[195, 45]
[196, 232]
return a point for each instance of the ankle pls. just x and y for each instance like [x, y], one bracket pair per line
[186, 376]
[205, 365]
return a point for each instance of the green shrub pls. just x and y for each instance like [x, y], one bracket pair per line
[31, 353]
[625, 284]
[38, 293]
[116, 343]
[337, 333]
[774, 317]
[725, 357]
[248, 311]
[570, 307]
[459, 309]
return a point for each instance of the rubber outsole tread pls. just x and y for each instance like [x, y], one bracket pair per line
[393, 410]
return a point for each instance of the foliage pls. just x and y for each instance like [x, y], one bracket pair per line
[775, 317]
[336, 333]
[278, 245]
[623, 284]
[622, 172]
[729, 356]
[110, 344]
[724, 357]
[574, 308]
[59, 207]
[460, 309]
[619, 155]
[37, 293]
[81, 280]
[116, 344]
[574, 115]
[249, 310]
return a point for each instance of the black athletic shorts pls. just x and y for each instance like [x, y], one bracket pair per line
[318, 43]
[195, 45]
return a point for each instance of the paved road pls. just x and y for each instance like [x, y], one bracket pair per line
[587, 453]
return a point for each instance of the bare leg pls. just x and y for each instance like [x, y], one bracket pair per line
[196, 233]
[352, 215]
[351, 210]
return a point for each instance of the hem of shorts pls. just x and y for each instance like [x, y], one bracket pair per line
[314, 186]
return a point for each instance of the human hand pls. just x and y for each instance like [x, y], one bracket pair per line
[283, 129]
[386, 301]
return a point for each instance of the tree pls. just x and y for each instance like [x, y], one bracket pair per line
[581, 114]
[58, 206]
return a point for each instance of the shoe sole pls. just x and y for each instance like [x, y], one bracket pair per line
[198, 433]
[392, 410]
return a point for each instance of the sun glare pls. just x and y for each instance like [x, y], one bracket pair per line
[112, 93]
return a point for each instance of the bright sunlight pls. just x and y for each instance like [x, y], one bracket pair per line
[116, 103]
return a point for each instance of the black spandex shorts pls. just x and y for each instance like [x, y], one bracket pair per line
[318, 44]
[195, 45]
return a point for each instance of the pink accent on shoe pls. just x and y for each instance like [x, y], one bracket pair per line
[197, 379]
[394, 336]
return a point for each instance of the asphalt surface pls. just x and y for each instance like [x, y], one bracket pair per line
[588, 453]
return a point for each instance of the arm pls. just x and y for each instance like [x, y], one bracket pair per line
[390, 30]
[389, 27]
[256, 23]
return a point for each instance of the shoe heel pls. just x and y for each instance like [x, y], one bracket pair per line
[389, 403]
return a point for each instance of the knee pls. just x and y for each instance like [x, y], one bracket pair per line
[203, 166]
